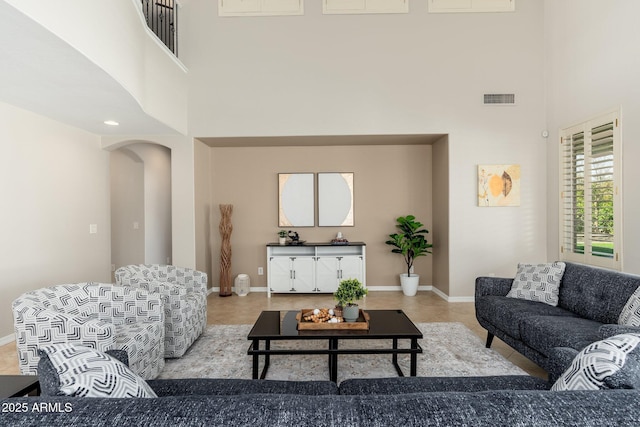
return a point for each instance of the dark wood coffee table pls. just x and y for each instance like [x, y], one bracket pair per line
[19, 385]
[392, 325]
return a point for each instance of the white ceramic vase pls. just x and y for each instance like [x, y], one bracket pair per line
[409, 284]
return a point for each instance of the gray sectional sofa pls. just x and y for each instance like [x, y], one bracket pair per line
[480, 401]
[590, 302]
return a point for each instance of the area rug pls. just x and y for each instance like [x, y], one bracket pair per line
[449, 349]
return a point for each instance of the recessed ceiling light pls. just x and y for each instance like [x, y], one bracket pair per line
[111, 123]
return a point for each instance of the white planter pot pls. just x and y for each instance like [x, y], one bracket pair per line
[409, 284]
[282, 240]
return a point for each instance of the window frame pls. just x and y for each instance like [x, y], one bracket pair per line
[567, 188]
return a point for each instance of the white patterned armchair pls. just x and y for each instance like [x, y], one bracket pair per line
[184, 293]
[97, 315]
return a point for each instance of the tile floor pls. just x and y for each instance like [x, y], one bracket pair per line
[424, 307]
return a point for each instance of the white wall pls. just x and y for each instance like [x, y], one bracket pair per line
[183, 250]
[127, 208]
[388, 74]
[114, 36]
[55, 182]
[593, 64]
[157, 201]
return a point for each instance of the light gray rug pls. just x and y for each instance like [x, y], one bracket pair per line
[449, 349]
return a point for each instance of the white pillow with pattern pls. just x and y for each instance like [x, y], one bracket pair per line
[86, 372]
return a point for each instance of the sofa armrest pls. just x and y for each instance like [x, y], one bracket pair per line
[560, 359]
[497, 286]
[610, 330]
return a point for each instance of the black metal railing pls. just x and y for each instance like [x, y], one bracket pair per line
[162, 18]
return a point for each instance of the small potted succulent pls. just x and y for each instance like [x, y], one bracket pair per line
[282, 237]
[349, 291]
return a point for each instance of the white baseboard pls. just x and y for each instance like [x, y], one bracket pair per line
[447, 298]
[251, 289]
[437, 291]
[7, 339]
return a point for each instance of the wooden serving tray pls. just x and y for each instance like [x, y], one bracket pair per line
[362, 323]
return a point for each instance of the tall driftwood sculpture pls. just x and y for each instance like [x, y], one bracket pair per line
[225, 250]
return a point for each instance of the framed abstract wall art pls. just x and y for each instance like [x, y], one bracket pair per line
[498, 185]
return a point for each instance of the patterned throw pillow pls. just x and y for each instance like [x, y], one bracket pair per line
[612, 363]
[85, 372]
[630, 314]
[538, 282]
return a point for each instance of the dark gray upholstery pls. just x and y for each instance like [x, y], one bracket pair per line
[595, 293]
[432, 384]
[546, 332]
[218, 386]
[491, 408]
[590, 302]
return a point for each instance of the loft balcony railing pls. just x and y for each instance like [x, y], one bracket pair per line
[162, 18]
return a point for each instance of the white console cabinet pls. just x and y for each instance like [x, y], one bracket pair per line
[313, 267]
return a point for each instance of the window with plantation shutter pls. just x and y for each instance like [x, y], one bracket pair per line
[590, 196]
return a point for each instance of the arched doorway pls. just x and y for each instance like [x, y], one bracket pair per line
[141, 204]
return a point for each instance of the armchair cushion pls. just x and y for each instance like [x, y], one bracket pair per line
[85, 372]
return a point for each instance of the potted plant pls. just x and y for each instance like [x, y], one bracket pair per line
[282, 236]
[349, 291]
[411, 243]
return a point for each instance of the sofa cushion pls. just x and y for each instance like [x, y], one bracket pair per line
[630, 314]
[538, 282]
[596, 293]
[612, 363]
[506, 314]
[542, 333]
[221, 386]
[85, 372]
[401, 385]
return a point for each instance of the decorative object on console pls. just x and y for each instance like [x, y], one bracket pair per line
[538, 282]
[612, 363]
[339, 240]
[335, 200]
[498, 185]
[410, 243]
[349, 291]
[282, 237]
[225, 250]
[86, 372]
[294, 238]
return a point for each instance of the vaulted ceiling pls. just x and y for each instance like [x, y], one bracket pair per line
[43, 74]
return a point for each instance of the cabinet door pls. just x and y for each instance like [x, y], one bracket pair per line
[327, 274]
[351, 267]
[280, 274]
[303, 274]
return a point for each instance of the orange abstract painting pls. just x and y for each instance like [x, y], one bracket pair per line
[499, 185]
